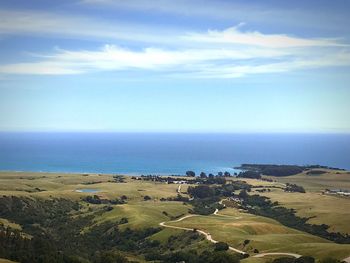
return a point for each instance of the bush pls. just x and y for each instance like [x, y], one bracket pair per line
[294, 188]
[305, 259]
[221, 246]
[146, 198]
[249, 174]
[201, 191]
[123, 220]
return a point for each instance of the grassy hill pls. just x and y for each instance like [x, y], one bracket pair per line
[231, 225]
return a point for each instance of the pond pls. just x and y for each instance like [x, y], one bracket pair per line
[87, 190]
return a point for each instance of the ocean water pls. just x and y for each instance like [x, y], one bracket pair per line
[133, 153]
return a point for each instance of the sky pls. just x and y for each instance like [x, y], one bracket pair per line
[175, 66]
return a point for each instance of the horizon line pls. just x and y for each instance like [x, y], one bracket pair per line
[176, 132]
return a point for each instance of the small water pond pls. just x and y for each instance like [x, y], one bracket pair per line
[87, 190]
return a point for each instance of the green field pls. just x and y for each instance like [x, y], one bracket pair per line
[332, 179]
[324, 209]
[232, 226]
[264, 234]
[65, 185]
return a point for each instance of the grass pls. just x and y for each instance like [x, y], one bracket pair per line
[323, 209]
[264, 234]
[65, 185]
[316, 183]
[6, 261]
[7, 223]
[144, 213]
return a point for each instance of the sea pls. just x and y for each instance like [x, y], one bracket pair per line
[166, 153]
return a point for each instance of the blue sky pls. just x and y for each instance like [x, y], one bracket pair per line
[175, 66]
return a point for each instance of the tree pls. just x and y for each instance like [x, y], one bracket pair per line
[201, 191]
[243, 194]
[220, 180]
[203, 175]
[221, 246]
[190, 174]
[250, 174]
[227, 174]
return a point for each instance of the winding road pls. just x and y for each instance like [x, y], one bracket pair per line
[206, 234]
[210, 238]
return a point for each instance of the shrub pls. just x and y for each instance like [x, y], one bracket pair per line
[221, 246]
[146, 198]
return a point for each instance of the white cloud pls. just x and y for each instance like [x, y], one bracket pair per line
[48, 24]
[199, 63]
[234, 36]
[228, 53]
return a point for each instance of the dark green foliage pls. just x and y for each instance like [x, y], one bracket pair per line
[227, 174]
[146, 198]
[206, 197]
[294, 188]
[190, 174]
[274, 170]
[282, 170]
[95, 199]
[249, 174]
[118, 178]
[262, 206]
[243, 194]
[57, 236]
[205, 206]
[305, 259]
[178, 198]
[221, 246]
[246, 242]
[205, 257]
[201, 191]
[315, 172]
[123, 220]
[302, 259]
[203, 175]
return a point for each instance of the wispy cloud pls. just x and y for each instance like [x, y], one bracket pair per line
[228, 53]
[41, 23]
[234, 36]
[203, 63]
